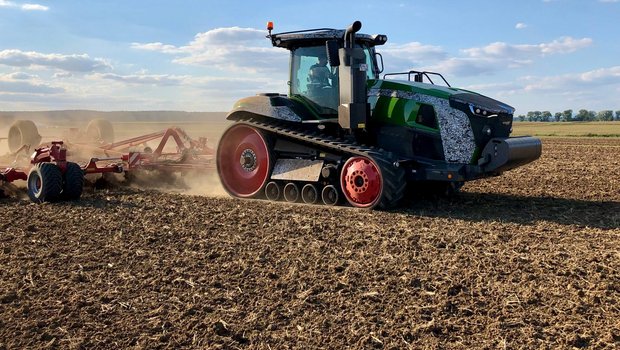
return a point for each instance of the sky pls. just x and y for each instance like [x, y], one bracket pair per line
[204, 55]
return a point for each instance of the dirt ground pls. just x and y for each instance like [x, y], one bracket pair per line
[529, 260]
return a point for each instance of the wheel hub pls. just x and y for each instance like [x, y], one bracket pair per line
[248, 160]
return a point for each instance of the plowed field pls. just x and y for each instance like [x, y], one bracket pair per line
[530, 260]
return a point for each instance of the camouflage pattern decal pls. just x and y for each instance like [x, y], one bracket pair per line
[261, 105]
[456, 134]
[280, 38]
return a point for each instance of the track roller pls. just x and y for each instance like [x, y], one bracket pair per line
[291, 192]
[330, 195]
[272, 191]
[309, 194]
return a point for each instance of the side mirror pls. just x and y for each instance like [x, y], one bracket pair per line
[333, 57]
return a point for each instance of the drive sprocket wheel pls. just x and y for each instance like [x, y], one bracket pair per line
[243, 160]
[366, 183]
[361, 182]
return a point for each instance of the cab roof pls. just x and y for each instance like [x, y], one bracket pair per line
[314, 37]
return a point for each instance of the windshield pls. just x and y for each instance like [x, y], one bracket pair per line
[313, 79]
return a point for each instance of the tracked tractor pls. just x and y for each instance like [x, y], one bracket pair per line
[345, 134]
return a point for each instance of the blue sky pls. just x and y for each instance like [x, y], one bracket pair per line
[203, 55]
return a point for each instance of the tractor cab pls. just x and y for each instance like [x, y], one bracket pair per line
[316, 75]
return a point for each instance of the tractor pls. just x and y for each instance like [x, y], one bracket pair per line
[344, 134]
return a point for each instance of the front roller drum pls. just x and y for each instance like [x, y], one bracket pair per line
[243, 161]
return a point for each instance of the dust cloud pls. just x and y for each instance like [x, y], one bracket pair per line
[71, 130]
[205, 185]
[4, 144]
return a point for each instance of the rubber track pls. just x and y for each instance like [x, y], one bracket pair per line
[393, 177]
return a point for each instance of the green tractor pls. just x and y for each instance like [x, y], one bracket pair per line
[343, 134]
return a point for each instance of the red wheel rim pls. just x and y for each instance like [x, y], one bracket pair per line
[361, 182]
[243, 161]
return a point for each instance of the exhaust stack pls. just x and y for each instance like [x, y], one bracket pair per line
[353, 109]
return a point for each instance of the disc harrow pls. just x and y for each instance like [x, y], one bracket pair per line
[50, 176]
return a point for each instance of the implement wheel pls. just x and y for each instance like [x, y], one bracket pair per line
[100, 130]
[243, 161]
[23, 132]
[73, 183]
[44, 183]
[361, 182]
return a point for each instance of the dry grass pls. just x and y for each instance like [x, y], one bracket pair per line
[572, 129]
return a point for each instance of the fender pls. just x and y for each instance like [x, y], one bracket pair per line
[271, 105]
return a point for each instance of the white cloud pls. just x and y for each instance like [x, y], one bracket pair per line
[34, 7]
[158, 47]
[227, 85]
[411, 54]
[500, 55]
[24, 7]
[577, 81]
[20, 76]
[159, 80]
[71, 63]
[234, 49]
[61, 75]
[505, 50]
[20, 82]
[520, 25]
[476, 60]
[564, 85]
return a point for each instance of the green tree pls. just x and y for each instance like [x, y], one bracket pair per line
[581, 115]
[591, 116]
[567, 115]
[522, 117]
[558, 117]
[545, 116]
[617, 115]
[605, 116]
[530, 116]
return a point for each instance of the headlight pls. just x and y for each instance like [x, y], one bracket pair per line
[482, 112]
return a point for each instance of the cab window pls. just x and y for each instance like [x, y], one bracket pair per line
[370, 62]
[313, 79]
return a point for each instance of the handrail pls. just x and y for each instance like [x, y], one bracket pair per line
[419, 76]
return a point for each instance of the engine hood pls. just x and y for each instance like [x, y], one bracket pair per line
[459, 98]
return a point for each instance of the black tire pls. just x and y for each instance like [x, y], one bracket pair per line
[73, 183]
[394, 185]
[100, 130]
[23, 132]
[44, 183]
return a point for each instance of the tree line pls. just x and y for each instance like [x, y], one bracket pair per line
[568, 116]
